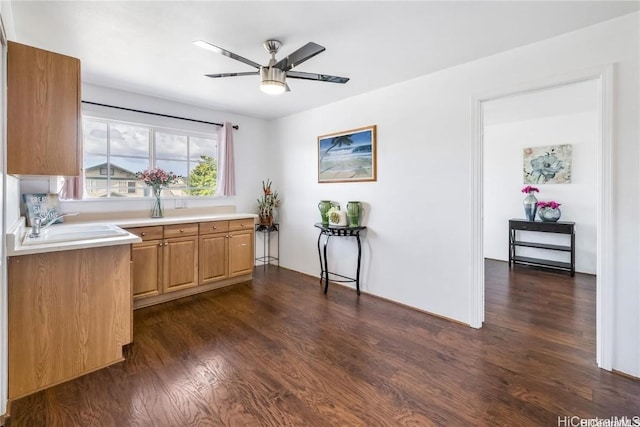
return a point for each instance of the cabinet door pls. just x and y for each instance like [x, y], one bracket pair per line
[43, 112]
[69, 314]
[240, 253]
[147, 259]
[180, 268]
[214, 258]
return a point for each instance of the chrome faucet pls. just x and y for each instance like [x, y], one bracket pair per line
[37, 226]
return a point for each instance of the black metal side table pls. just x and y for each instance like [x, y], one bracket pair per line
[266, 231]
[340, 231]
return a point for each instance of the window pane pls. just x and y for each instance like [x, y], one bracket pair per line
[203, 177]
[115, 151]
[94, 136]
[129, 165]
[177, 167]
[129, 140]
[96, 175]
[170, 146]
[199, 147]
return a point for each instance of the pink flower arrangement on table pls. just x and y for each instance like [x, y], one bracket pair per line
[551, 204]
[157, 178]
[530, 189]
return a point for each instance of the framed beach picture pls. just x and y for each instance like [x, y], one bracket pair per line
[347, 156]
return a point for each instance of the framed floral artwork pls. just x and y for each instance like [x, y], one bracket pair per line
[549, 164]
[347, 156]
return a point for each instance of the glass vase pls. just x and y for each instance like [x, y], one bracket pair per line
[530, 207]
[549, 214]
[324, 207]
[353, 213]
[156, 208]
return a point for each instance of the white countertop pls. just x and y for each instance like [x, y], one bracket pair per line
[17, 233]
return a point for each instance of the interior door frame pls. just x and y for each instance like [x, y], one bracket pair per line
[604, 228]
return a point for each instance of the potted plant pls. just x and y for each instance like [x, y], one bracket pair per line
[267, 203]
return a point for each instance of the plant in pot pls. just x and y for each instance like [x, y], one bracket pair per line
[267, 203]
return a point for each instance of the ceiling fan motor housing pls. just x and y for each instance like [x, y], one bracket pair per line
[272, 80]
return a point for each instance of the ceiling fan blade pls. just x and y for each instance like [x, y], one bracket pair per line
[247, 73]
[315, 76]
[206, 45]
[296, 58]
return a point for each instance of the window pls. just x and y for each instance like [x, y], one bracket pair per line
[114, 151]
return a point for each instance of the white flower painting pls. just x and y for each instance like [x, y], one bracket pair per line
[549, 164]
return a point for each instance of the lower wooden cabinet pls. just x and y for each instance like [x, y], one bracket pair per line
[147, 262]
[69, 314]
[180, 264]
[240, 253]
[214, 258]
[182, 259]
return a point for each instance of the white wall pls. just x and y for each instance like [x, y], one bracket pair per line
[418, 245]
[503, 180]
[249, 146]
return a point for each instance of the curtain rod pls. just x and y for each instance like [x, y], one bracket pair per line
[236, 127]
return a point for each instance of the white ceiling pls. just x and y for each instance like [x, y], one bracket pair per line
[146, 46]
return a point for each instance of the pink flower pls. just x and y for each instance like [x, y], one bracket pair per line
[157, 177]
[551, 204]
[529, 189]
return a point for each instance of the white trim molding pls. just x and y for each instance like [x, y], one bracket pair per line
[476, 282]
[605, 255]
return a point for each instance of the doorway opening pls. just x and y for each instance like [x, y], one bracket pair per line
[595, 257]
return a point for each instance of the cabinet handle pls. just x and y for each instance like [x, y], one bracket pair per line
[182, 230]
[143, 234]
[214, 227]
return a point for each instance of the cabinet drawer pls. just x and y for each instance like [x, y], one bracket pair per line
[549, 227]
[241, 224]
[214, 227]
[147, 233]
[180, 230]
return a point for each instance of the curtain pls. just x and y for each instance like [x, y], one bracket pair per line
[226, 185]
[73, 188]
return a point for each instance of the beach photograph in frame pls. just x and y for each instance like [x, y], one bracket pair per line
[348, 156]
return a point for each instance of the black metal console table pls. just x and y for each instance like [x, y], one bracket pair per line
[341, 231]
[266, 231]
[560, 227]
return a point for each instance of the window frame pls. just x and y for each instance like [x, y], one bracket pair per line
[153, 130]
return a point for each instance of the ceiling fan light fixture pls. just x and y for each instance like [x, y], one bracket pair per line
[272, 81]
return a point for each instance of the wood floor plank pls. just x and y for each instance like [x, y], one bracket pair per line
[277, 351]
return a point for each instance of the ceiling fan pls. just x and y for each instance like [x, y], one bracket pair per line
[273, 76]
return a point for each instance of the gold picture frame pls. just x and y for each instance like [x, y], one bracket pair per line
[348, 156]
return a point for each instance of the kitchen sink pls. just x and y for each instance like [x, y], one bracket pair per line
[72, 232]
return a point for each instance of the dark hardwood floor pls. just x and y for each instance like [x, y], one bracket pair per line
[278, 352]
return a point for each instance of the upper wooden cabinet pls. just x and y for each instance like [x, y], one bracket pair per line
[43, 112]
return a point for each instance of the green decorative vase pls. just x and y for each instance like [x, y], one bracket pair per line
[353, 213]
[324, 207]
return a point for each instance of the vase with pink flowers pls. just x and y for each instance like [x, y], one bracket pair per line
[157, 179]
[549, 211]
[530, 202]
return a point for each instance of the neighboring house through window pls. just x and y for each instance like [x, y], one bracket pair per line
[114, 151]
